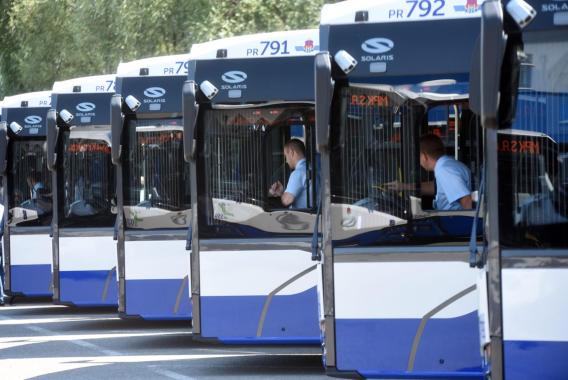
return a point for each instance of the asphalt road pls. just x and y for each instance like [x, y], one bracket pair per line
[41, 340]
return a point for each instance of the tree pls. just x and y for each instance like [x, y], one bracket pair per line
[42, 41]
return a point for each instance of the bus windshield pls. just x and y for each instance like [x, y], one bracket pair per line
[243, 152]
[29, 185]
[533, 152]
[156, 178]
[88, 180]
[381, 194]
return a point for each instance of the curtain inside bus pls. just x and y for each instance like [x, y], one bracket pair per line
[88, 187]
[242, 157]
[29, 189]
[533, 153]
[156, 178]
[377, 180]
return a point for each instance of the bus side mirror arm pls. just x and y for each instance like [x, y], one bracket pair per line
[323, 96]
[52, 132]
[493, 42]
[190, 111]
[116, 124]
[3, 147]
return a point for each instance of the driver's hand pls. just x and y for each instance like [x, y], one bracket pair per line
[393, 186]
[398, 186]
[276, 189]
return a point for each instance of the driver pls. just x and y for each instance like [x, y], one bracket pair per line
[453, 178]
[295, 195]
[34, 182]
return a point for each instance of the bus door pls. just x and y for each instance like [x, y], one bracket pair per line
[257, 283]
[26, 238]
[157, 212]
[86, 273]
[533, 213]
[404, 298]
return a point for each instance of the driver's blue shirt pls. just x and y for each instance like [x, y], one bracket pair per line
[453, 182]
[38, 186]
[297, 185]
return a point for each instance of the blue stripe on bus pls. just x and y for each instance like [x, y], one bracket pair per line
[526, 360]
[31, 280]
[156, 299]
[292, 340]
[236, 318]
[86, 287]
[382, 347]
[423, 375]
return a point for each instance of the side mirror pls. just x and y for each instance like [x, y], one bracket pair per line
[3, 147]
[493, 42]
[116, 120]
[190, 111]
[52, 134]
[323, 97]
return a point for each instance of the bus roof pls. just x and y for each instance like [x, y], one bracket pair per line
[389, 11]
[273, 44]
[92, 84]
[168, 65]
[400, 49]
[34, 99]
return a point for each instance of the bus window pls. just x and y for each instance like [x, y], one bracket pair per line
[533, 179]
[30, 203]
[244, 157]
[375, 147]
[156, 177]
[382, 192]
[88, 180]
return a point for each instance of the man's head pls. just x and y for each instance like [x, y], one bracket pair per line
[294, 151]
[431, 149]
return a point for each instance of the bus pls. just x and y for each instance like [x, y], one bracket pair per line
[84, 204]
[524, 108]
[252, 278]
[153, 193]
[27, 196]
[399, 299]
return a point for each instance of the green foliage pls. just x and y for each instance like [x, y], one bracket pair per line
[42, 41]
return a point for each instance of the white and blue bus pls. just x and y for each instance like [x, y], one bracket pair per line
[27, 196]
[153, 193]
[399, 299]
[524, 107]
[252, 278]
[84, 204]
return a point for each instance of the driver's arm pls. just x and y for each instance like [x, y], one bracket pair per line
[287, 199]
[466, 202]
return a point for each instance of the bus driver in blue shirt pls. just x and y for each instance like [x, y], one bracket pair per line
[453, 178]
[295, 194]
